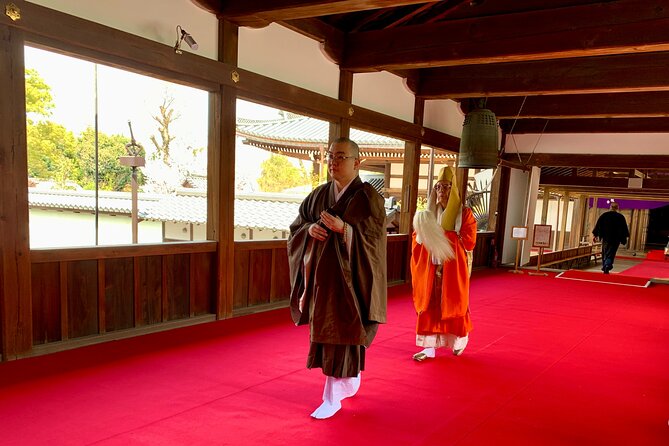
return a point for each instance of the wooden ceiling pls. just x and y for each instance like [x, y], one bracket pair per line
[576, 66]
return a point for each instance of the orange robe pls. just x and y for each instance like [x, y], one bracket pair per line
[447, 311]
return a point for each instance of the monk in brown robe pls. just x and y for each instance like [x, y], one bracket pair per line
[443, 240]
[337, 256]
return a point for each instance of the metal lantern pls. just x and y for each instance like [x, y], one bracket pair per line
[479, 143]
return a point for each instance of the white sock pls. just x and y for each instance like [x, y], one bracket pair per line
[460, 344]
[335, 390]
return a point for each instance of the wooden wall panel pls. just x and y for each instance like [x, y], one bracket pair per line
[241, 291]
[260, 276]
[149, 290]
[119, 294]
[177, 280]
[482, 251]
[46, 303]
[202, 288]
[396, 258]
[280, 276]
[82, 305]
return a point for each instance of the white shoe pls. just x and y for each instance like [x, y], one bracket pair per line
[459, 345]
[429, 352]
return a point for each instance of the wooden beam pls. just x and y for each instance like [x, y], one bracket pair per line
[263, 12]
[605, 74]
[604, 105]
[608, 183]
[595, 125]
[330, 38]
[592, 161]
[620, 27]
[100, 43]
[15, 281]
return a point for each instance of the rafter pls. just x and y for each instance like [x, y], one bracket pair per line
[605, 105]
[587, 125]
[621, 27]
[262, 12]
[605, 74]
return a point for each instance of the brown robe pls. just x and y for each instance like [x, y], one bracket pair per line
[345, 296]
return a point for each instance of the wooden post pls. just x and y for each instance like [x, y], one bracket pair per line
[15, 281]
[221, 174]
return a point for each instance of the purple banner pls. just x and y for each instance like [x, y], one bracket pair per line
[605, 203]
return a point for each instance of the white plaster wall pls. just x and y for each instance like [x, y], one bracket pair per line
[602, 143]
[282, 54]
[444, 115]
[60, 229]
[152, 19]
[385, 93]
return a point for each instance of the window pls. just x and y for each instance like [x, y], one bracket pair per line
[277, 163]
[82, 155]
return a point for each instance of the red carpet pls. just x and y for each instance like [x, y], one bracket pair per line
[613, 278]
[550, 362]
[649, 268]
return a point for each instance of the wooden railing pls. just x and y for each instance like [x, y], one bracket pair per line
[79, 292]
[568, 258]
[262, 276]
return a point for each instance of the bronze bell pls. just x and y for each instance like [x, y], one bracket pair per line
[479, 144]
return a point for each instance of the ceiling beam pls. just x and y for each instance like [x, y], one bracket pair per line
[604, 74]
[596, 183]
[620, 27]
[587, 125]
[263, 12]
[592, 161]
[330, 38]
[605, 105]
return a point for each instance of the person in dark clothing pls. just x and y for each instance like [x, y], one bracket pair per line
[611, 229]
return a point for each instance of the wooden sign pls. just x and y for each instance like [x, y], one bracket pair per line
[519, 232]
[542, 236]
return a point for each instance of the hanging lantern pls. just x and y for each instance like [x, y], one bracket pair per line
[479, 143]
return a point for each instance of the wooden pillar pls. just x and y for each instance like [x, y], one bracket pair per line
[410, 172]
[15, 282]
[342, 127]
[563, 220]
[221, 175]
[545, 205]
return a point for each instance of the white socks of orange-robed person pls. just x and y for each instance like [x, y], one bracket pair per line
[336, 389]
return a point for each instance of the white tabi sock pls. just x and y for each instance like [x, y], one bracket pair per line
[335, 390]
[430, 352]
[460, 344]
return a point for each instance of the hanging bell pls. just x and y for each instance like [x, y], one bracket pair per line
[479, 143]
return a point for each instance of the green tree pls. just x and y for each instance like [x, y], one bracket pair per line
[51, 152]
[279, 174]
[111, 174]
[38, 94]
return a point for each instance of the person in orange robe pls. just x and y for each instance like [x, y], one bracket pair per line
[442, 244]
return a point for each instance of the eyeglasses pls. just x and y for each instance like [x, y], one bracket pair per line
[442, 186]
[338, 158]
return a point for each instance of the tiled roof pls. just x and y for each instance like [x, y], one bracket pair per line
[303, 129]
[249, 213]
[262, 212]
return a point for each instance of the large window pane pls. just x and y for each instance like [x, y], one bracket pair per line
[277, 164]
[81, 155]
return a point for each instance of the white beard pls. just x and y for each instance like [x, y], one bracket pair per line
[430, 234]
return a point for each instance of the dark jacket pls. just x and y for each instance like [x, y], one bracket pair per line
[346, 298]
[612, 228]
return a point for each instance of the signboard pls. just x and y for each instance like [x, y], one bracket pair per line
[519, 232]
[542, 236]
